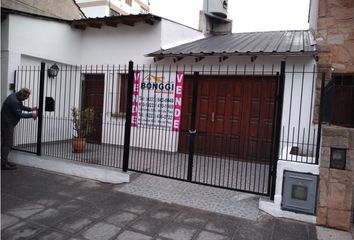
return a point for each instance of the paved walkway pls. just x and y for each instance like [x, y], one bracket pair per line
[37, 204]
[207, 198]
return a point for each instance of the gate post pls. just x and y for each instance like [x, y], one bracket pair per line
[192, 130]
[40, 109]
[277, 130]
[320, 119]
[128, 117]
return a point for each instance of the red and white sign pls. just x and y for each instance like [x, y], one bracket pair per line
[136, 90]
[178, 102]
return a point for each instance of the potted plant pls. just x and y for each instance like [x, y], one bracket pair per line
[83, 127]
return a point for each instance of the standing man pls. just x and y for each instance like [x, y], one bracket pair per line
[11, 113]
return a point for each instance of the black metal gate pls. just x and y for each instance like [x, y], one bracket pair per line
[225, 142]
[218, 127]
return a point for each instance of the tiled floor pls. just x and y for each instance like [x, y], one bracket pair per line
[212, 199]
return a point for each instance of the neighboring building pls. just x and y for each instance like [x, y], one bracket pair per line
[63, 9]
[108, 8]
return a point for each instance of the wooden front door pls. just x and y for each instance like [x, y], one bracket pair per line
[93, 97]
[234, 116]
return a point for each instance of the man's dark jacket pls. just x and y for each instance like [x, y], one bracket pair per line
[11, 111]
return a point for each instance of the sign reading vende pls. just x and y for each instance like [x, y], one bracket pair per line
[157, 103]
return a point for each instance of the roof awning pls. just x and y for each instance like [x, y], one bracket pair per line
[129, 20]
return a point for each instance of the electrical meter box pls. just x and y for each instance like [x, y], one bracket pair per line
[299, 192]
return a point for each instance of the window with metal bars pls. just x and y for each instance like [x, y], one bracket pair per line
[339, 100]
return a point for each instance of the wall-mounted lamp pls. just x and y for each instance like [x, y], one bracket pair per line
[53, 71]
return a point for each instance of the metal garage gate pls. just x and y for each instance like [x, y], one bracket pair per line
[226, 129]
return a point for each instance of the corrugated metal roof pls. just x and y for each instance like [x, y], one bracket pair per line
[297, 42]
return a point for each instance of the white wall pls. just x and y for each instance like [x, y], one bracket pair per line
[119, 45]
[173, 34]
[9, 60]
[44, 39]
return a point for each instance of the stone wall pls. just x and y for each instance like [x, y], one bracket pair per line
[335, 186]
[335, 34]
[335, 41]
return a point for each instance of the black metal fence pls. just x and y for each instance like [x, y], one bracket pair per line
[67, 91]
[224, 126]
[300, 133]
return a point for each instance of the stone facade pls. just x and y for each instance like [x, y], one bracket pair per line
[335, 187]
[335, 41]
[335, 35]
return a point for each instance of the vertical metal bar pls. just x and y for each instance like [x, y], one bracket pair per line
[146, 133]
[107, 121]
[63, 87]
[277, 129]
[15, 80]
[311, 109]
[290, 111]
[168, 137]
[40, 110]
[243, 161]
[300, 108]
[128, 118]
[192, 130]
[258, 157]
[320, 120]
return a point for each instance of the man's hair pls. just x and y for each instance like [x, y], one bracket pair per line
[25, 91]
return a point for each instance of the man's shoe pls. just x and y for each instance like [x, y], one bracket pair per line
[12, 164]
[7, 167]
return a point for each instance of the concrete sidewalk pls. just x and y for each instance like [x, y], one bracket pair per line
[38, 204]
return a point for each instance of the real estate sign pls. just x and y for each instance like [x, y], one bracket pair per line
[157, 101]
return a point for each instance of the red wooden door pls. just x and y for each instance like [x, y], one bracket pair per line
[93, 97]
[234, 116]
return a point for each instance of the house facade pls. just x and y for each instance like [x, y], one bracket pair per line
[245, 101]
